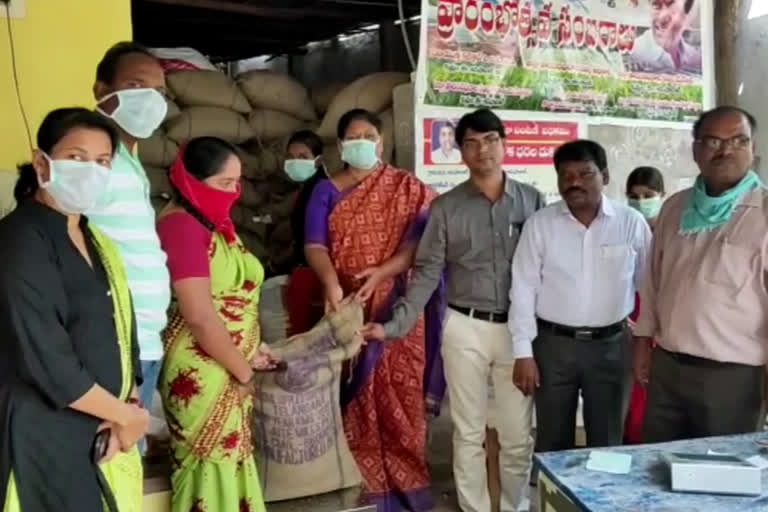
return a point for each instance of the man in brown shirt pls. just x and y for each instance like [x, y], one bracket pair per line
[706, 294]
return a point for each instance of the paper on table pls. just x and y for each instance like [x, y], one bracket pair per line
[609, 462]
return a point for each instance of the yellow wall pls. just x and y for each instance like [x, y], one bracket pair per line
[58, 45]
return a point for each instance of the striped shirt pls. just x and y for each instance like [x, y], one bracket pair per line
[126, 216]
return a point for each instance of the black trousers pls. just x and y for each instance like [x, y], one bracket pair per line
[691, 397]
[600, 370]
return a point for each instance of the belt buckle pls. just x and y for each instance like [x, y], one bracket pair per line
[583, 334]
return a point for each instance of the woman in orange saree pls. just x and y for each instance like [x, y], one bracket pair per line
[361, 232]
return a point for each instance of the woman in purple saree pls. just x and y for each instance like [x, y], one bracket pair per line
[368, 229]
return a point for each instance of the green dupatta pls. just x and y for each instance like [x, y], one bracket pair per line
[124, 472]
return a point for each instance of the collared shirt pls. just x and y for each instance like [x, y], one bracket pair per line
[453, 156]
[127, 217]
[472, 238]
[706, 294]
[648, 56]
[576, 276]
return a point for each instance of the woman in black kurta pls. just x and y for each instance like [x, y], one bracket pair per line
[62, 369]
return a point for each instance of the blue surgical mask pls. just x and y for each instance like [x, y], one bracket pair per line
[359, 153]
[300, 169]
[139, 111]
[649, 207]
[75, 186]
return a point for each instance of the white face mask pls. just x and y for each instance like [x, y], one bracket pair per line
[139, 112]
[75, 186]
[360, 153]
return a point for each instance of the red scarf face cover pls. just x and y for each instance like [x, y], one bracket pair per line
[214, 205]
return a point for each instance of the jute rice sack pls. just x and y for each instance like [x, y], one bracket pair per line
[207, 89]
[159, 184]
[247, 219]
[388, 136]
[173, 109]
[273, 317]
[277, 91]
[323, 96]
[218, 122]
[332, 158]
[255, 244]
[372, 92]
[300, 444]
[271, 161]
[158, 150]
[251, 164]
[273, 124]
[253, 195]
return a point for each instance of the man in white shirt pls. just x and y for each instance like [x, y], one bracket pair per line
[447, 152]
[662, 47]
[574, 276]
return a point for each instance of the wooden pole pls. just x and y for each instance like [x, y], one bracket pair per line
[729, 16]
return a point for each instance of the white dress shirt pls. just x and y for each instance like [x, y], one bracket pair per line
[440, 157]
[568, 274]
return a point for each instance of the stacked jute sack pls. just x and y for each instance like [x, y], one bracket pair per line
[256, 113]
[371, 92]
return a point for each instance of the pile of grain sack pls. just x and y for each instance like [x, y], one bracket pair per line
[258, 111]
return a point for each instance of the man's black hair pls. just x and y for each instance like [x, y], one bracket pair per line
[107, 68]
[717, 112]
[481, 121]
[688, 5]
[581, 151]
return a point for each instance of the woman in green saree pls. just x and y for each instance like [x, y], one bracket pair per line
[212, 343]
[69, 369]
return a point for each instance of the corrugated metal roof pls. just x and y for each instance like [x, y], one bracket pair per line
[235, 29]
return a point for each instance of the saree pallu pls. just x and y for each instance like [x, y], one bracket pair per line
[386, 398]
[638, 399]
[122, 478]
[213, 468]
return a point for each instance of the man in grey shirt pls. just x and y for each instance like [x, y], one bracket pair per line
[472, 234]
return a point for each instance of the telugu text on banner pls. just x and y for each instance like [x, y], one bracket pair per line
[528, 150]
[621, 59]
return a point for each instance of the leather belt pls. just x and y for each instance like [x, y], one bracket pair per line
[691, 360]
[486, 316]
[582, 333]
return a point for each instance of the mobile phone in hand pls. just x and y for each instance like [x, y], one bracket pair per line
[100, 445]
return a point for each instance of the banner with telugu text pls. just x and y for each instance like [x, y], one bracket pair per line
[528, 149]
[628, 60]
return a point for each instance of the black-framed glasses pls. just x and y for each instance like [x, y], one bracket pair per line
[476, 144]
[716, 143]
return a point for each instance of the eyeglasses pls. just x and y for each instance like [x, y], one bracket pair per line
[716, 143]
[475, 145]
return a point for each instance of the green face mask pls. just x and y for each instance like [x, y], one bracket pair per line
[648, 207]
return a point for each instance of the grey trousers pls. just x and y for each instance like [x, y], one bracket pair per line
[691, 397]
[600, 370]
